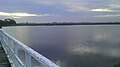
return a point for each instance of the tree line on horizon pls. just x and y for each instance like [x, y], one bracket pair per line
[7, 22]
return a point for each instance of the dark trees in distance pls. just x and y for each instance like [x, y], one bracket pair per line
[7, 22]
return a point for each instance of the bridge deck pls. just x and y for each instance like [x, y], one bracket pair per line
[3, 58]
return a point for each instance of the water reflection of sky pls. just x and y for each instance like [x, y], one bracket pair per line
[73, 46]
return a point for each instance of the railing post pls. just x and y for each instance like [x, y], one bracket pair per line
[16, 49]
[27, 59]
[16, 52]
[8, 45]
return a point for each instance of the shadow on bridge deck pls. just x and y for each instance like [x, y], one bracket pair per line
[3, 58]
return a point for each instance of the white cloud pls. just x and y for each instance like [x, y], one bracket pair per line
[77, 9]
[116, 15]
[84, 5]
[76, 6]
[102, 10]
[114, 5]
[70, 5]
[19, 15]
[16, 17]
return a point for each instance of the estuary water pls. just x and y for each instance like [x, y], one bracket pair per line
[73, 46]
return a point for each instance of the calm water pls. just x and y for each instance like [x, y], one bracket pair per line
[73, 46]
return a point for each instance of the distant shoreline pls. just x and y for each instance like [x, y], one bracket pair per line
[58, 24]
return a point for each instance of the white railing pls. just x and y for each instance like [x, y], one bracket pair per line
[12, 46]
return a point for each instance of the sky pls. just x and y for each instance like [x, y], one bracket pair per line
[40, 11]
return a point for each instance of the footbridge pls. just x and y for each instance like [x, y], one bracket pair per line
[11, 48]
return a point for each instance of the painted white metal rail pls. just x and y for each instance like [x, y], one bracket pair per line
[12, 46]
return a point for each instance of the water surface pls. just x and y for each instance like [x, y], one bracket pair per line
[73, 46]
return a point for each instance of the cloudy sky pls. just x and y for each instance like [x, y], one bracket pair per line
[60, 10]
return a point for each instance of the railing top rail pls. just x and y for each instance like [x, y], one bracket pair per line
[40, 58]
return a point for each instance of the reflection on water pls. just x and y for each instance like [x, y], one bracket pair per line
[73, 46]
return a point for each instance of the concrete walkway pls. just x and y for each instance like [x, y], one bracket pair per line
[3, 58]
